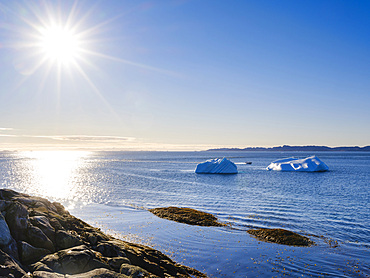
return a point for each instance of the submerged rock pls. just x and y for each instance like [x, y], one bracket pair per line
[281, 236]
[309, 164]
[187, 216]
[53, 243]
[217, 166]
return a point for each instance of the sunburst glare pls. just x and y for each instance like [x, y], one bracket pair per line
[60, 44]
[55, 172]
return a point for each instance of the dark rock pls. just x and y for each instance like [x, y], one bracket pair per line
[281, 236]
[43, 223]
[134, 271]
[37, 226]
[96, 273]
[11, 249]
[30, 254]
[46, 274]
[59, 208]
[55, 224]
[116, 262]
[66, 240]
[7, 194]
[91, 238]
[5, 236]
[9, 267]
[17, 219]
[31, 201]
[4, 205]
[187, 216]
[37, 238]
[109, 249]
[71, 261]
[101, 273]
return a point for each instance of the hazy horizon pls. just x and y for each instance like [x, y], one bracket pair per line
[183, 75]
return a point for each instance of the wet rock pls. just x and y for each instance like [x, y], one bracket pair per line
[9, 267]
[30, 254]
[187, 216]
[71, 261]
[281, 236]
[66, 240]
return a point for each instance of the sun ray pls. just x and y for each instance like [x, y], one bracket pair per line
[108, 57]
[96, 90]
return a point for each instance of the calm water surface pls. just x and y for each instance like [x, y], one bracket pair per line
[114, 189]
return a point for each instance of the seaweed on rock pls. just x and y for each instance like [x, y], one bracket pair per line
[187, 216]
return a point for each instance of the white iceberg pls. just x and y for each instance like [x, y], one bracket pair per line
[216, 166]
[309, 164]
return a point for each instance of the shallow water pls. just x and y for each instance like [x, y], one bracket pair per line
[113, 189]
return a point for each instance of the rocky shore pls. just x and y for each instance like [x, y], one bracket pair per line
[40, 239]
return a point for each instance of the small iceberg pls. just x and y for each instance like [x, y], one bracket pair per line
[216, 166]
[309, 164]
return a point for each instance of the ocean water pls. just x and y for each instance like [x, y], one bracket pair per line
[113, 190]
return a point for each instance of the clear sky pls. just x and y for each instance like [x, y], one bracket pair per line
[184, 74]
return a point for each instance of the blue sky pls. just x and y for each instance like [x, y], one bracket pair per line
[186, 74]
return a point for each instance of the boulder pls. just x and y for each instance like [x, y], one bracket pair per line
[74, 260]
[46, 274]
[116, 262]
[43, 223]
[109, 249]
[309, 164]
[66, 240]
[9, 268]
[102, 273]
[216, 166]
[133, 271]
[30, 254]
[5, 236]
[37, 238]
[17, 219]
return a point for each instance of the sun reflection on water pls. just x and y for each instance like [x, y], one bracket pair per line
[54, 173]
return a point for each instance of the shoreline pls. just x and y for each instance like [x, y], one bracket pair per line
[40, 238]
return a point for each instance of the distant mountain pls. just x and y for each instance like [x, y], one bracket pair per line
[286, 148]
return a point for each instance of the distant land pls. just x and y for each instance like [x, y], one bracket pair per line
[286, 148]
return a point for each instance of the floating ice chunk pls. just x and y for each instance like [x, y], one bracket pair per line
[217, 166]
[309, 164]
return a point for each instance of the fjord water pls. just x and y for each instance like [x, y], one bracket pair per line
[112, 190]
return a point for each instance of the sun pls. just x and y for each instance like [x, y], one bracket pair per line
[60, 44]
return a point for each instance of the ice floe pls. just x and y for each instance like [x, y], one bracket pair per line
[216, 166]
[309, 164]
